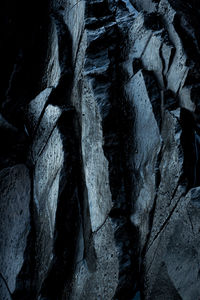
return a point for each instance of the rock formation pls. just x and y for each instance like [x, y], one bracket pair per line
[100, 144]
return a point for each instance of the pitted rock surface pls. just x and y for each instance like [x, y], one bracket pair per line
[100, 150]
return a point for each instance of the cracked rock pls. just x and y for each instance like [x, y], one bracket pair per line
[99, 156]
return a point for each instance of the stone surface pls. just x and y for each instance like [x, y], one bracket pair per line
[5, 293]
[102, 281]
[95, 164]
[15, 221]
[99, 160]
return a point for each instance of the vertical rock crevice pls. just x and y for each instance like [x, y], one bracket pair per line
[99, 171]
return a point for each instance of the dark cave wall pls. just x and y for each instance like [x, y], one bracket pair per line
[99, 163]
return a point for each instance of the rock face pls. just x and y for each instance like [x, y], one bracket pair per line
[99, 162]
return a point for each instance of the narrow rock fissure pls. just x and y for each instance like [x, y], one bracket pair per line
[165, 223]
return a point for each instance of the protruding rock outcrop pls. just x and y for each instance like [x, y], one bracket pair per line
[99, 162]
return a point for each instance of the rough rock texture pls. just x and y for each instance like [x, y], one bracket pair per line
[99, 161]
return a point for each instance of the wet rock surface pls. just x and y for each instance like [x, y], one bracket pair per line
[99, 161]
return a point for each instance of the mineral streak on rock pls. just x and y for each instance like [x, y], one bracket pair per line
[99, 160]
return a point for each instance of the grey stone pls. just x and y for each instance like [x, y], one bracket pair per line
[176, 253]
[103, 282]
[15, 221]
[95, 163]
[100, 197]
[4, 292]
